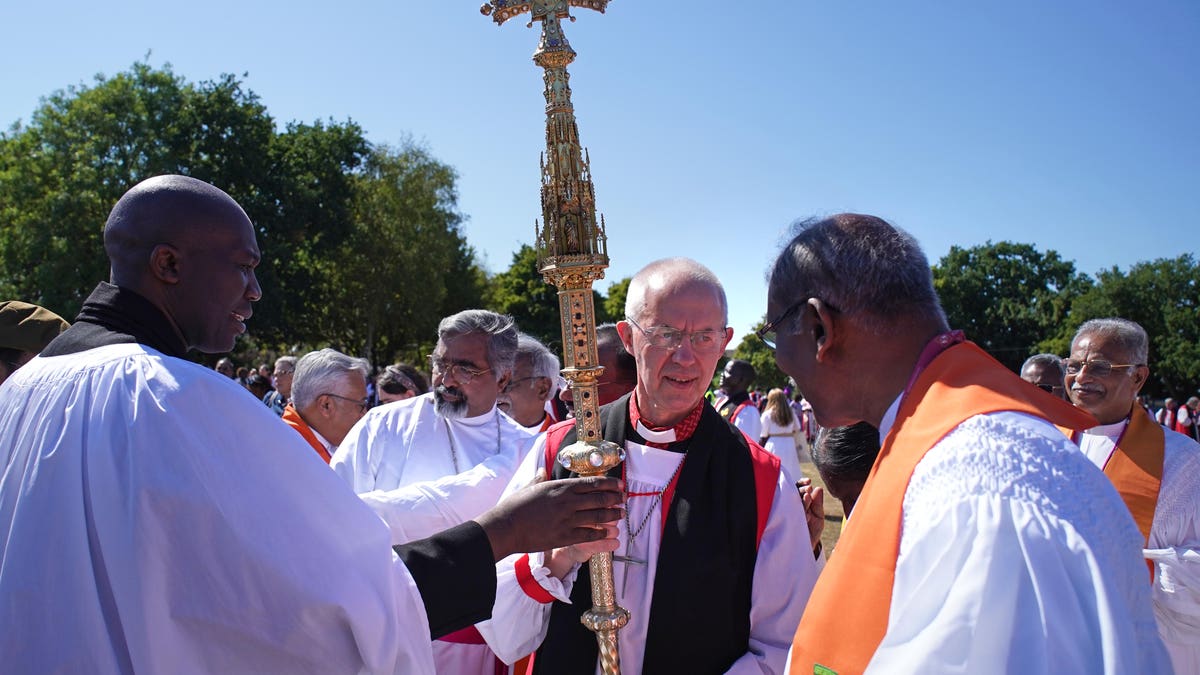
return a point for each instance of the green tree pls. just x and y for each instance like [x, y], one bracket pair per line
[391, 274]
[614, 302]
[1009, 298]
[1163, 296]
[768, 375]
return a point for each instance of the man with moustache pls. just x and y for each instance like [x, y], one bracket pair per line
[1156, 471]
[437, 460]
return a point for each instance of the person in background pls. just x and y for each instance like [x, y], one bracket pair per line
[329, 394]
[844, 457]
[25, 330]
[533, 384]
[277, 400]
[1046, 372]
[780, 431]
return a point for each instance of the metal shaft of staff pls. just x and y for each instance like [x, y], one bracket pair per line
[572, 254]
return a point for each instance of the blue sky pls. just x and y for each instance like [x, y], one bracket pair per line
[712, 126]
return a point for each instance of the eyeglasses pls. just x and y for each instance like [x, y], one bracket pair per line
[769, 331]
[1097, 367]
[512, 384]
[670, 339]
[362, 404]
[1049, 388]
[460, 372]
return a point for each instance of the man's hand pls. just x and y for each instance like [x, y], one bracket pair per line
[814, 509]
[563, 560]
[554, 514]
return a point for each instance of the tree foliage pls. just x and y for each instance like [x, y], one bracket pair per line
[614, 300]
[1009, 298]
[1163, 296]
[521, 292]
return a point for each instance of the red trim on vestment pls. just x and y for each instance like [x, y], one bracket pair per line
[530, 585]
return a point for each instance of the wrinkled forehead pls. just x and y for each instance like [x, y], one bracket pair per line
[693, 304]
[1097, 345]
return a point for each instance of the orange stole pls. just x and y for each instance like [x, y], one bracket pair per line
[1135, 468]
[296, 422]
[847, 614]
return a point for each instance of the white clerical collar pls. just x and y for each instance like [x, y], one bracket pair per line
[1111, 431]
[665, 436]
[889, 418]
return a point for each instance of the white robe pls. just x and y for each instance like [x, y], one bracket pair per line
[398, 457]
[1174, 540]
[782, 443]
[784, 574]
[1015, 557]
[155, 519]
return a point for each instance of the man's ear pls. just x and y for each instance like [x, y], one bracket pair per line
[822, 326]
[543, 388]
[503, 381]
[1140, 375]
[164, 263]
[625, 332]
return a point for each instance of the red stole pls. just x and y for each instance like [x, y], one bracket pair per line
[296, 422]
[855, 588]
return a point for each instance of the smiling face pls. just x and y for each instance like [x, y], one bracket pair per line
[1108, 397]
[215, 282]
[672, 382]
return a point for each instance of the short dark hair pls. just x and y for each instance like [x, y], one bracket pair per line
[608, 338]
[846, 453]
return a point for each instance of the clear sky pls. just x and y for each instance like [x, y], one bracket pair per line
[712, 126]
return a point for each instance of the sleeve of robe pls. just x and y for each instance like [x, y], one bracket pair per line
[1175, 552]
[750, 422]
[194, 532]
[992, 578]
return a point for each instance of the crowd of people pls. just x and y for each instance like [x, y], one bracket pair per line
[416, 519]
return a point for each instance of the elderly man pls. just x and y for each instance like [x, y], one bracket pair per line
[533, 384]
[25, 330]
[437, 460]
[329, 394]
[714, 567]
[1046, 372]
[1156, 471]
[192, 532]
[734, 402]
[285, 370]
[983, 541]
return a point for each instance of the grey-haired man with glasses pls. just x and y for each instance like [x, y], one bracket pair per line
[438, 460]
[714, 561]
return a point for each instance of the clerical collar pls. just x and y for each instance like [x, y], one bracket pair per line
[115, 315]
[663, 436]
[478, 420]
[1112, 431]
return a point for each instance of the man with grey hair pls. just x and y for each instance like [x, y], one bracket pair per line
[1045, 371]
[434, 461]
[534, 382]
[285, 370]
[983, 541]
[1156, 471]
[713, 527]
[329, 394]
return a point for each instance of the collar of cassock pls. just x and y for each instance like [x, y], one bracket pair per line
[661, 437]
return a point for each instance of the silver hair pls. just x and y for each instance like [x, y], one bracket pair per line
[543, 362]
[289, 361]
[676, 271]
[859, 265]
[318, 372]
[1126, 334]
[500, 329]
[1045, 361]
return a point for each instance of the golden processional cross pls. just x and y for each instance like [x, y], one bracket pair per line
[572, 253]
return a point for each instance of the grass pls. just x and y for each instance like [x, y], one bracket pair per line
[833, 510]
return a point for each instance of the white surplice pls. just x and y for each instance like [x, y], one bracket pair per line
[399, 459]
[1016, 556]
[784, 574]
[781, 442]
[155, 519]
[1174, 540]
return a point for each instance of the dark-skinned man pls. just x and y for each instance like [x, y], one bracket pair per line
[195, 533]
[733, 403]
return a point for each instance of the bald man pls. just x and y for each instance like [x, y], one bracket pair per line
[142, 513]
[715, 560]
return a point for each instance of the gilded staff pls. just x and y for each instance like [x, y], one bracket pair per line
[572, 253]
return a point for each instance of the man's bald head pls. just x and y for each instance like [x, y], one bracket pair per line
[662, 277]
[189, 249]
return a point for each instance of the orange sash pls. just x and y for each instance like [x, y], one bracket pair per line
[1135, 468]
[296, 422]
[847, 614]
